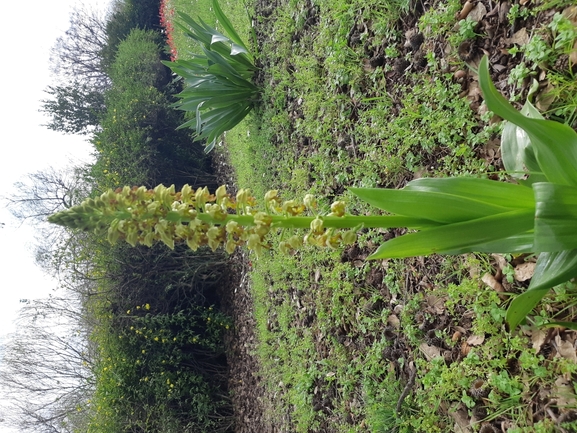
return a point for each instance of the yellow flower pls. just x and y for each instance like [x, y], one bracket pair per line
[147, 306]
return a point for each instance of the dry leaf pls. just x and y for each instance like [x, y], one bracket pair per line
[465, 348]
[564, 393]
[573, 54]
[462, 421]
[394, 321]
[475, 340]
[524, 271]
[565, 349]
[490, 281]
[545, 98]
[538, 338]
[520, 37]
[436, 304]
[478, 12]
[317, 275]
[430, 352]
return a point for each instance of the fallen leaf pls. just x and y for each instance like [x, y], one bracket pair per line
[565, 349]
[524, 271]
[462, 420]
[478, 12]
[538, 338]
[317, 275]
[475, 340]
[573, 55]
[430, 352]
[564, 393]
[490, 281]
[545, 98]
[436, 304]
[521, 37]
[394, 321]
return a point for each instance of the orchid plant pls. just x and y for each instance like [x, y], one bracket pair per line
[536, 214]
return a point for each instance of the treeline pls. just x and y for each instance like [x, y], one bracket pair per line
[143, 335]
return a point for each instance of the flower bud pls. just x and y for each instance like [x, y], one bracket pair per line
[271, 195]
[349, 237]
[295, 242]
[310, 201]
[186, 193]
[317, 226]
[221, 194]
[338, 208]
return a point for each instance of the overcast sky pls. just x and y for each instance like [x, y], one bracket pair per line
[27, 33]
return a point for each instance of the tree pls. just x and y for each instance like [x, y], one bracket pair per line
[46, 192]
[46, 366]
[78, 54]
[74, 108]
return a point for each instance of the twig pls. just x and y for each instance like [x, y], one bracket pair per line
[407, 389]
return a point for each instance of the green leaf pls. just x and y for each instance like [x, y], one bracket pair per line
[555, 217]
[227, 25]
[516, 150]
[554, 144]
[432, 205]
[462, 236]
[552, 269]
[568, 325]
[503, 194]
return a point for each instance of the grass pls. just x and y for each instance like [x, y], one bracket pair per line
[329, 321]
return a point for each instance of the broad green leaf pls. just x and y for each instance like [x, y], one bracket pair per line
[554, 144]
[516, 151]
[503, 194]
[462, 236]
[237, 49]
[552, 269]
[516, 244]
[435, 206]
[555, 217]
[568, 325]
[226, 24]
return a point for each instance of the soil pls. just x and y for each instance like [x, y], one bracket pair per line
[249, 396]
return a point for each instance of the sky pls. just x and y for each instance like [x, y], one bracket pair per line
[26, 37]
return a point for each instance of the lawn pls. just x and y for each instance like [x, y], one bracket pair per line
[375, 94]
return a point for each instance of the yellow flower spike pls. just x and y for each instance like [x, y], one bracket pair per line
[148, 239]
[338, 208]
[317, 226]
[254, 243]
[310, 201]
[221, 194]
[292, 208]
[193, 243]
[232, 227]
[285, 247]
[215, 237]
[132, 238]
[349, 237]
[216, 212]
[271, 195]
[162, 229]
[262, 219]
[201, 197]
[333, 241]
[186, 194]
[113, 232]
[230, 246]
[295, 242]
